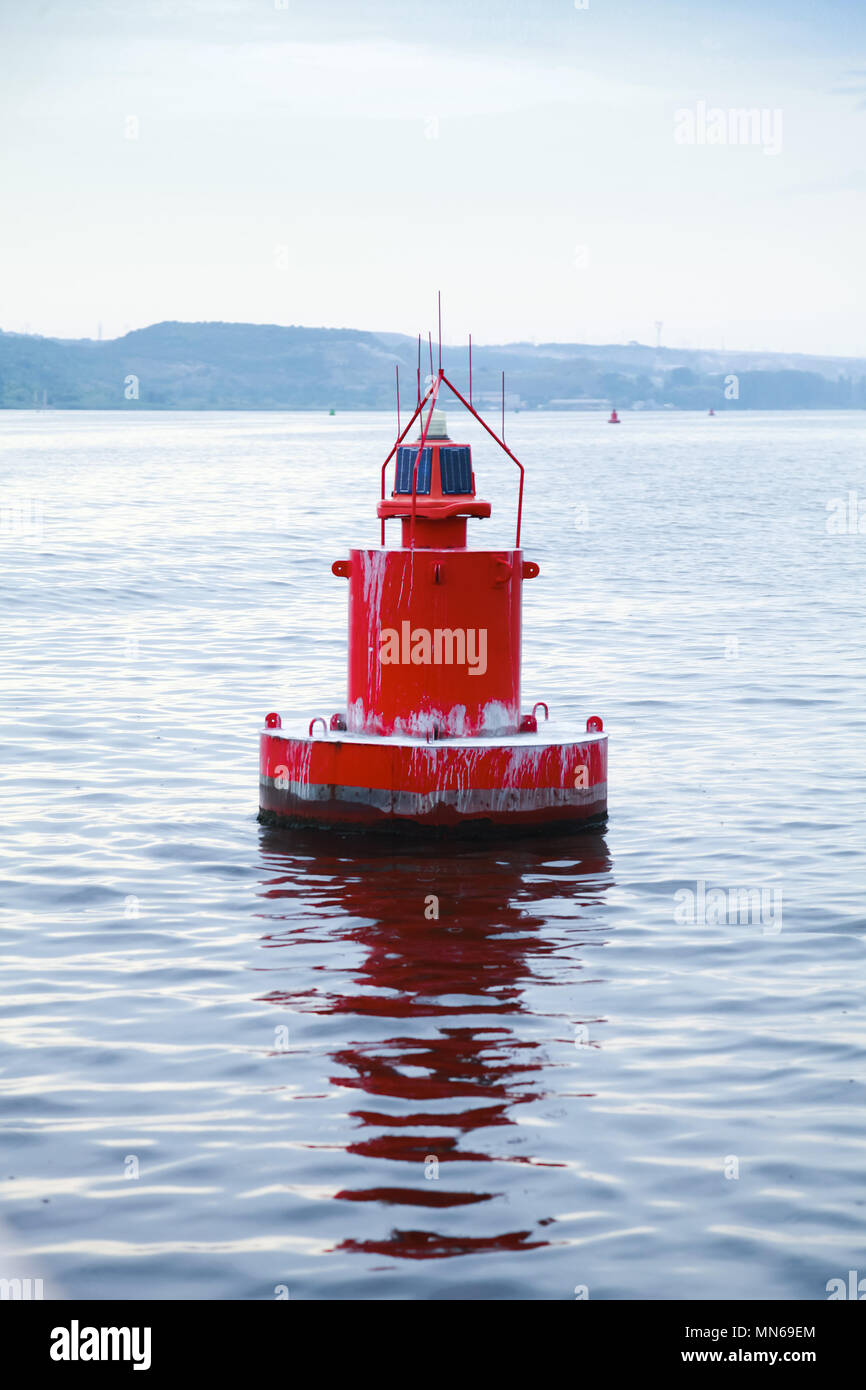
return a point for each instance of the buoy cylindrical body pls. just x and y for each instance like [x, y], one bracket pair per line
[434, 641]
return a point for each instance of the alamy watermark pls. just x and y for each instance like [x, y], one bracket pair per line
[853, 1288]
[77, 1343]
[847, 516]
[21, 519]
[441, 646]
[729, 907]
[21, 1289]
[732, 125]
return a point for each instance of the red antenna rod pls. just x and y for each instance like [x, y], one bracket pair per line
[419, 374]
[470, 368]
[503, 405]
[501, 442]
[433, 393]
[430, 341]
[399, 440]
[440, 330]
[397, 370]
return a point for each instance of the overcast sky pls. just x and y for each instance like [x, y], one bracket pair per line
[331, 163]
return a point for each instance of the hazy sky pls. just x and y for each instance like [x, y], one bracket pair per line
[291, 161]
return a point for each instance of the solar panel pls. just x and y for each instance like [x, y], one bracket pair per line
[406, 466]
[456, 470]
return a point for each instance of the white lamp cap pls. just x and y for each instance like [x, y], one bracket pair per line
[438, 425]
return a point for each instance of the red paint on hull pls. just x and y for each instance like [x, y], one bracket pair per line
[522, 783]
[410, 593]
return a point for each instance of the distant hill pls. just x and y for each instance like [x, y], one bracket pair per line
[243, 366]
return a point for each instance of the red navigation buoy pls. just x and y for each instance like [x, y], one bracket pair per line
[614, 418]
[711, 411]
[432, 733]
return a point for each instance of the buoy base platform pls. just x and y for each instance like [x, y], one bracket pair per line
[523, 783]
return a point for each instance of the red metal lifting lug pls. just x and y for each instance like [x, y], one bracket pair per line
[318, 720]
[338, 721]
[530, 569]
[273, 721]
[529, 724]
[594, 725]
[539, 704]
[342, 568]
[504, 572]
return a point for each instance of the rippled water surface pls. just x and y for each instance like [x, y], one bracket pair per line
[234, 1059]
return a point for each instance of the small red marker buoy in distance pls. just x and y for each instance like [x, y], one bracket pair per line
[614, 418]
[711, 411]
[432, 735]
